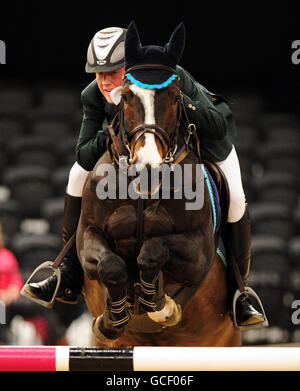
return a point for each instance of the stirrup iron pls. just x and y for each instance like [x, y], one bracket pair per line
[252, 293]
[53, 266]
[56, 271]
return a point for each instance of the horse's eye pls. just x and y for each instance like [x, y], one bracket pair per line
[126, 95]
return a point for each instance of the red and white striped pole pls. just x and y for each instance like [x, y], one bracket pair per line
[66, 358]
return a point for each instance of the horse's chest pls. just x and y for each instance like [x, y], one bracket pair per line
[122, 223]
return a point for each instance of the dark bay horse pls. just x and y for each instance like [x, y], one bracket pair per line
[152, 274]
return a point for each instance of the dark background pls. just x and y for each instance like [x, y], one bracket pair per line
[241, 52]
[244, 46]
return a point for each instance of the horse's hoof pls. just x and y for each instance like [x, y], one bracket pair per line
[175, 318]
[169, 316]
[103, 335]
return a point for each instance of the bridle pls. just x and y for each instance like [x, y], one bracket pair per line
[119, 149]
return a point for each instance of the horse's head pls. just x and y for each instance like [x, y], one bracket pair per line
[151, 98]
[151, 118]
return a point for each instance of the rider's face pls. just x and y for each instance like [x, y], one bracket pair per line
[107, 81]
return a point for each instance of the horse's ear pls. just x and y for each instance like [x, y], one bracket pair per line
[132, 42]
[175, 46]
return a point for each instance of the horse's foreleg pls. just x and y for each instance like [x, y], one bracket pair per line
[189, 252]
[152, 299]
[100, 263]
[192, 255]
[152, 257]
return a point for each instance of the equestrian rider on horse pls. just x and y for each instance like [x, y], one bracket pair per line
[216, 127]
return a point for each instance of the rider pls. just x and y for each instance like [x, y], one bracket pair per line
[212, 116]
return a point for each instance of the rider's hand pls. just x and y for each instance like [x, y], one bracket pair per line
[115, 95]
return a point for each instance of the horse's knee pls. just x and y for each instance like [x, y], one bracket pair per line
[112, 271]
[88, 256]
[153, 255]
[89, 265]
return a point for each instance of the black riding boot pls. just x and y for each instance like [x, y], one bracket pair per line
[238, 241]
[71, 270]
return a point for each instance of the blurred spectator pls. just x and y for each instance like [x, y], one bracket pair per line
[25, 323]
[11, 280]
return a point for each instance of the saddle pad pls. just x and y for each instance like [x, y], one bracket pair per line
[216, 211]
[214, 198]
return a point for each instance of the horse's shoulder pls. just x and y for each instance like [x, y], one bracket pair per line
[101, 168]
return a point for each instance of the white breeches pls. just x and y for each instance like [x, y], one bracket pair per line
[231, 168]
[77, 178]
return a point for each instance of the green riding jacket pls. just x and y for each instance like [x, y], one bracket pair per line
[209, 112]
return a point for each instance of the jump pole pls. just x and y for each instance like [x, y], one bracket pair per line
[67, 358]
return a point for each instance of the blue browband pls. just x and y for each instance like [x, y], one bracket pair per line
[150, 86]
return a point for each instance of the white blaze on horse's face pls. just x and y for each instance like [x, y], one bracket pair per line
[148, 154]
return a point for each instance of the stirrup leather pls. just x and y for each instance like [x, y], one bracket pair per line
[252, 293]
[56, 271]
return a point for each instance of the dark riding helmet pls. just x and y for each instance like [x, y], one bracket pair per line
[167, 56]
[106, 50]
